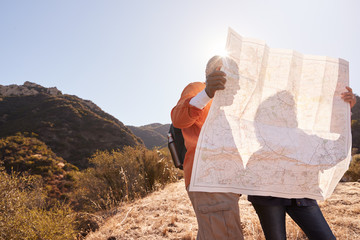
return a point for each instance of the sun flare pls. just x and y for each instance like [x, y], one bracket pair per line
[222, 53]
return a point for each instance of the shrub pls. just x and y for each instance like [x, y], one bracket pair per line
[353, 173]
[24, 213]
[21, 153]
[25, 153]
[122, 176]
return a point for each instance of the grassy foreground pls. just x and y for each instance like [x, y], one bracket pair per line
[168, 214]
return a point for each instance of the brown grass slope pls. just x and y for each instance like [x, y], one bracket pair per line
[168, 214]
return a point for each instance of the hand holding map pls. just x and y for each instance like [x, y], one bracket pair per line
[280, 127]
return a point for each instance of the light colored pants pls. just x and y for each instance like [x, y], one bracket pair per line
[217, 215]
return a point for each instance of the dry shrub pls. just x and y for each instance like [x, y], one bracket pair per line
[87, 222]
[122, 176]
[24, 213]
[353, 174]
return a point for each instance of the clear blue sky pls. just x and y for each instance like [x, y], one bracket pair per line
[133, 58]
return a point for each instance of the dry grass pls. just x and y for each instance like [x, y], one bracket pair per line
[168, 214]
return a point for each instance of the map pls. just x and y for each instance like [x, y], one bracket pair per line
[280, 127]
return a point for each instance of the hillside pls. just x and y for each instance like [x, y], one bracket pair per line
[168, 214]
[72, 127]
[153, 135]
[28, 154]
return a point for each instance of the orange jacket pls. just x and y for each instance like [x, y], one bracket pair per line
[189, 119]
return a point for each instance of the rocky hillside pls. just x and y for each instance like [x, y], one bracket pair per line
[153, 135]
[72, 127]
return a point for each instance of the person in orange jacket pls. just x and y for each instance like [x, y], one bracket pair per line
[217, 214]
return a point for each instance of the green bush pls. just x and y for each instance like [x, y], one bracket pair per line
[122, 176]
[24, 213]
[22, 153]
[25, 153]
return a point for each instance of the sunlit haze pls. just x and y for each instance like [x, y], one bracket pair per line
[133, 58]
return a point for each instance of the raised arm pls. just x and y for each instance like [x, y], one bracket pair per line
[184, 115]
[197, 95]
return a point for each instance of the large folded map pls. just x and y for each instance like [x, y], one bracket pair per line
[280, 128]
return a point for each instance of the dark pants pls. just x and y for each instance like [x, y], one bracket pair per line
[309, 219]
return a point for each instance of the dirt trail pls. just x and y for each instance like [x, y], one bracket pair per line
[168, 214]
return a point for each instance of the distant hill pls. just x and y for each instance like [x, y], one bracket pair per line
[72, 127]
[153, 135]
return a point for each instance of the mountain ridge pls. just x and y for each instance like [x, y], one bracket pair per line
[72, 127]
[153, 135]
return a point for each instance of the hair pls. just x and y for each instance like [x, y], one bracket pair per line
[214, 62]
